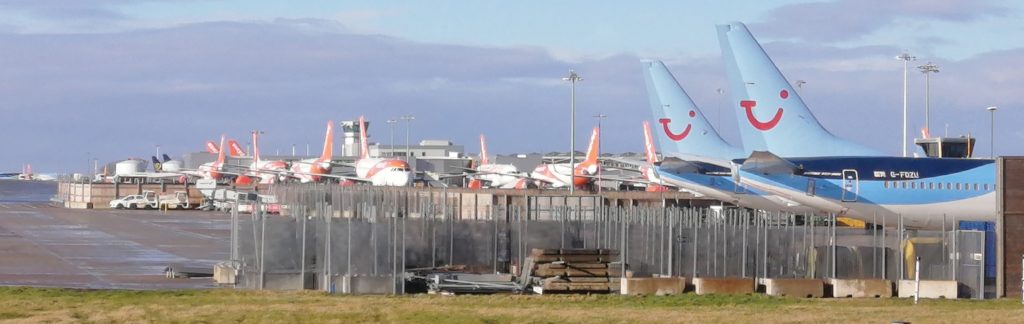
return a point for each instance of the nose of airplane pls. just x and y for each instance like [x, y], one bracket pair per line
[400, 179]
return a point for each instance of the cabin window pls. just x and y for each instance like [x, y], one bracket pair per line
[949, 186]
[921, 185]
[975, 187]
[986, 187]
[885, 184]
[957, 186]
[913, 185]
[931, 186]
[903, 184]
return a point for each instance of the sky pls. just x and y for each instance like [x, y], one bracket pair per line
[111, 79]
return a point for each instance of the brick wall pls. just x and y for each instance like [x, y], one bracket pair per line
[1013, 223]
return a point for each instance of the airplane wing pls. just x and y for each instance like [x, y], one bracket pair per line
[334, 176]
[768, 163]
[331, 162]
[630, 162]
[612, 178]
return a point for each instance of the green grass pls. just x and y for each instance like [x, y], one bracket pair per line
[226, 305]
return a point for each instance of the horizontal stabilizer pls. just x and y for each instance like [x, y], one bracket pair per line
[765, 162]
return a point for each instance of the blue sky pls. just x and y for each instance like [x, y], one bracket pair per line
[75, 69]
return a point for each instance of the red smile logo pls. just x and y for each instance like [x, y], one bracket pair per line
[668, 132]
[763, 126]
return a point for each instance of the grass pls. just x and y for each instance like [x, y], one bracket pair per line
[20, 304]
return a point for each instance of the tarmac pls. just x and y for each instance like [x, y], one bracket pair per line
[47, 246]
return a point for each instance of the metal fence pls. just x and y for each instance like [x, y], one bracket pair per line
[362, 240]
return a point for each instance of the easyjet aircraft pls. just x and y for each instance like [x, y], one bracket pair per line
[266, 171]
[212, 170]
[559, 175]
[379, 171]
[310, 170]
[234, 150]
[493, 175]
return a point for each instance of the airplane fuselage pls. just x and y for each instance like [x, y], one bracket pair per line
[559, 175]
[384, 172]
[499, 175]
[922, 190]
[268, 171]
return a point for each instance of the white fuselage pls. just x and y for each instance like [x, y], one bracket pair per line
[308, 170]
[384, 172]
[499, 175]
[268, 171]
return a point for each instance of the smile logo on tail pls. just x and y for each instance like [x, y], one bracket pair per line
[668, 132]
[763, 126]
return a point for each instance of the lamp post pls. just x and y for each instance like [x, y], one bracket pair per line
[599, 118]
[391, 127]
[906, 58]
[992, 129]
[408, 121]
[927, 69]
[158, 151]
[572, 78]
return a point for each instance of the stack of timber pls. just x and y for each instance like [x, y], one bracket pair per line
[574, 271]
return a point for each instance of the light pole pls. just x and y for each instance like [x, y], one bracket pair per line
[408, 121]
[927, 69]
[573, 78]
[293, 149]
[158, 151]
[599, 118]
[906, 58]
[992, 129]
[391, 127]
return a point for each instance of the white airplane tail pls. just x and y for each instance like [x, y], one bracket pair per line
[483, 150]
[364, 147]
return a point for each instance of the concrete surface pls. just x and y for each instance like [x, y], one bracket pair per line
[861, 288]
[794, 287]
[929, 289]
[49, 246]
[732, 286]
[653, 286]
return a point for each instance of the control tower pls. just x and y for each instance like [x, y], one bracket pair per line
[350, 130]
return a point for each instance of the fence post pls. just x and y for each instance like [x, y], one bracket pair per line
[917, 279]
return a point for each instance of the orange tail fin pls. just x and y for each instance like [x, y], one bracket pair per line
[236, 150]
[364, 147]
[649, 152]
[212, 147]
[592, 149]
[328, 143]
[483, 150]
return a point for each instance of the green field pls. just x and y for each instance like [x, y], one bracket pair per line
[226, 305]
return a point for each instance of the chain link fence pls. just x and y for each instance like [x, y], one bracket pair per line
[363, 240]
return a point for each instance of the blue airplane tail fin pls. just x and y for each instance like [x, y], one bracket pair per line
[771, 114]
[680, 126]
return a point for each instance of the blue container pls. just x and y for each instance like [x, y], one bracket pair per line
[990, 243]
